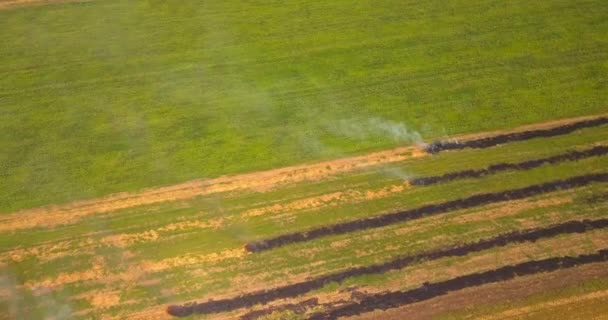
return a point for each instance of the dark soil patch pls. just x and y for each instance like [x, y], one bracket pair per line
[488, 142]
[396, 299]
[526, 165]
[425, 211]
[296, 289]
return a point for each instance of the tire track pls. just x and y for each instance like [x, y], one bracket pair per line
[487, 142]
[384, 301]
[425, 211]
[500, 167]
[297, 289]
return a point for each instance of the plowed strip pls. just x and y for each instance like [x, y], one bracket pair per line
[425, 211]
[525, 165]
[384, 301]
[492, 141]
[296, 289]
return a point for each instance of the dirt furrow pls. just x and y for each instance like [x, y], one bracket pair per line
[296, 289]
[487, 142]
[500, 167]
[425, 211]
[389, 300]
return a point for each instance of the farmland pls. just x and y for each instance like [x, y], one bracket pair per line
[303, 160]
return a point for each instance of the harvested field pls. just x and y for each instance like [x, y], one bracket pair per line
[488, 142]
[294, 290]
[425, 211]
[211, 263]
[203, 266]
[396, 299]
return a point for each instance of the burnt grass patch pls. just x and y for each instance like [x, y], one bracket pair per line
[300, 288]
[492, 141]
[297, 308]
[520, 166]
[426, 211]
[384, 301]
[305, 306]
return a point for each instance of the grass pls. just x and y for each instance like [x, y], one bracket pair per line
[110, 96]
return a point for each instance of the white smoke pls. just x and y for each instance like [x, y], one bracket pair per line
[55, 309]
[15, 305]
[10, 296]
[375, 128]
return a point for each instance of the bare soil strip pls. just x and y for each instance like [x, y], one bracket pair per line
[296, 289]
[425, 211]
[257, 181]
[500, 167]
[100, 273]
[396, 299]
[329, 200]
[488, 142]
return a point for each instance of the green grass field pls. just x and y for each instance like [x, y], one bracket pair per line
[108, 96]
[111, 96]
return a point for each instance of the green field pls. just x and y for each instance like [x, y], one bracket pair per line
[110, 96]
[106, 96]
